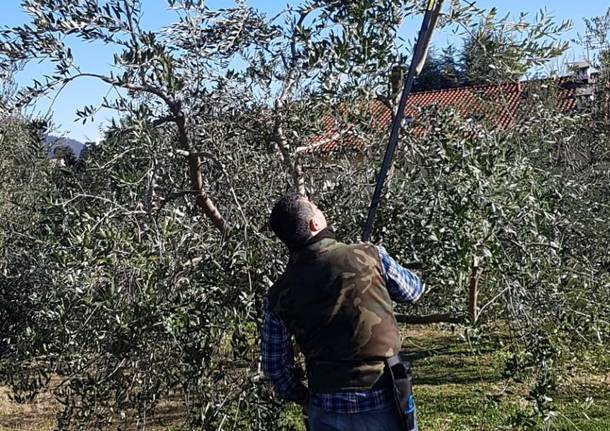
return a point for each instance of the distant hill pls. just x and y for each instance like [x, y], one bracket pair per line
[53, 142]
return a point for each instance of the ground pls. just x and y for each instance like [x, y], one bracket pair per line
[459, 387]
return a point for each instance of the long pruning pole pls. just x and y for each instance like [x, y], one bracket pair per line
[417, 63]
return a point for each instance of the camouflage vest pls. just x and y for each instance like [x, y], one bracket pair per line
[333, 298]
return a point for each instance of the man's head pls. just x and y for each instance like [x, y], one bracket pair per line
[295, 219]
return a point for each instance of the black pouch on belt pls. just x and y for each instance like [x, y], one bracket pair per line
[402, 386]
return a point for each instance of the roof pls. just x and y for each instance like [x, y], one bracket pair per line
[496, 105]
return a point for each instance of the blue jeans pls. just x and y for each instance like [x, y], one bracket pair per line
[386, 419]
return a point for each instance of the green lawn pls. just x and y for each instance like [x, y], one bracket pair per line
[459, 386]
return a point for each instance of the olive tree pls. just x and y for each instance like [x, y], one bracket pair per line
[117, 294]
[170, 79]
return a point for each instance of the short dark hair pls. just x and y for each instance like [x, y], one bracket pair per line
[290, 218]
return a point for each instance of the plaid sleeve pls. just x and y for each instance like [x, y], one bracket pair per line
[403, 286]
[277, 358]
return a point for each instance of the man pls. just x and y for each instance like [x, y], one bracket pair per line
[336, 299]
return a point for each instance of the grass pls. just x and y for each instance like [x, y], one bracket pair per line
[458, 387]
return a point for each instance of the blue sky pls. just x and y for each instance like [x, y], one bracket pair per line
[97, 57]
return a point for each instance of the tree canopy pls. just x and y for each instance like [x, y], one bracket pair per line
[138, 273]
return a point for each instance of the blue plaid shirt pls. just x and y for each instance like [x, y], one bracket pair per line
[278, 356]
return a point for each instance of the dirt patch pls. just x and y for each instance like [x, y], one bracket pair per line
[36, 415]
[40, 415]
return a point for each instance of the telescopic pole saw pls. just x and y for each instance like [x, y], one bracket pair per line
[417, 63]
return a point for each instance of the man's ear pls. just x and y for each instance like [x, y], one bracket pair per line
[313, 225]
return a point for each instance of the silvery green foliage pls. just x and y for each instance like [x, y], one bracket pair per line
[127, 300]
[529, 203]
[118, 294]
[505, 50]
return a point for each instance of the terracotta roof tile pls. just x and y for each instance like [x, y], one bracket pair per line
[496, 105]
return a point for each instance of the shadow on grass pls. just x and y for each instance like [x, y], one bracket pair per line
[448, 350]
[455, 363]
[456, 377]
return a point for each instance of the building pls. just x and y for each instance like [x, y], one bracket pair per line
[498, 106]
